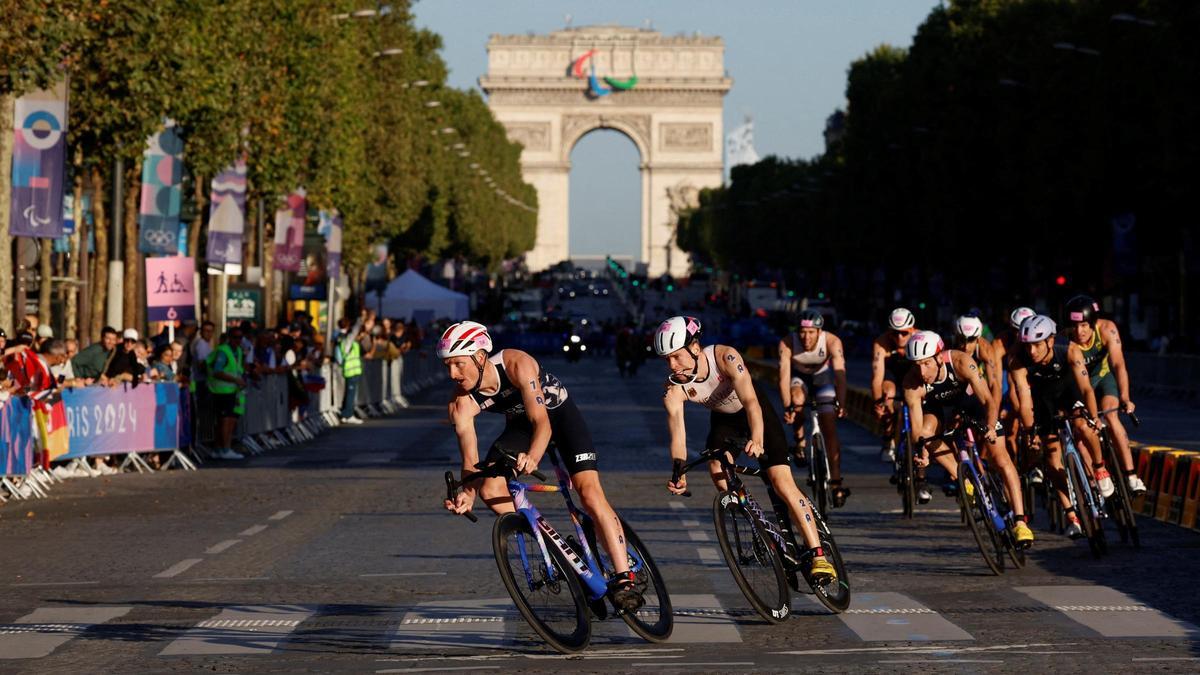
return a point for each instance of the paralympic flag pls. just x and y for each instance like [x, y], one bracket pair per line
[162, 176]
[331, 228]
[39, 159]
[289, 232]
[227, 217]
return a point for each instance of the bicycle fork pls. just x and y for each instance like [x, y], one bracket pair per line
[989, 507]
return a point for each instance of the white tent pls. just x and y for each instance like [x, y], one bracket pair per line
[411, 295]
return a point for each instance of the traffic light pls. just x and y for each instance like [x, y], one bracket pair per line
[1060, 280]
[670, 288]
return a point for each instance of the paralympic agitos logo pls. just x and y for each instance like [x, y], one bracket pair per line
[595, 89]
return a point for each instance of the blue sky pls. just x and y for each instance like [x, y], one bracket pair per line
[788, 60]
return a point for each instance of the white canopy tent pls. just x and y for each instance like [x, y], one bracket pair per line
[412, 296]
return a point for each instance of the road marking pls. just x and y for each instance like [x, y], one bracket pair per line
[210, 579]
[54, 583]
[700, 618]
[280, 515]
[1166, 658]
[405, 574]
[921, 509]
[251, 531]
[1109, 612]
[240, 630]
[678, 506]
[178, 568]
[688, 522]
[942, 661]
[709, 555]
[698, 535]
[677, 664]
[928, 649]
[369, 459]
[441, 669]
[47, 628]
[476, 623]
[879, 617]
[223, 546]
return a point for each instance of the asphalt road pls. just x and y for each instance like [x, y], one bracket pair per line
[336, 556]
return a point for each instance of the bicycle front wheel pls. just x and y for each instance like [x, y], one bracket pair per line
[819, 462]
[979, 521]
[752, 557]
[834, 594]
[1120, 505]
[1092, 528]
[655, 620]
[552, 602]
[909, 480]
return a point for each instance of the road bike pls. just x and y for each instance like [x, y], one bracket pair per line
[818, 459]
[1082, 491]
[761, 551]
[984, 504]
[556, 580]
[1120, 504]
[904, 471]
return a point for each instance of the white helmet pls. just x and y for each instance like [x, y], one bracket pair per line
[901, 318]
[968, 327]
[1019, 315]
[676, 333]
[464, 339]
[923, 344]
[1037, 328]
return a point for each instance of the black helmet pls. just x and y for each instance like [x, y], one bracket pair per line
[1082, 308]
[810, 318]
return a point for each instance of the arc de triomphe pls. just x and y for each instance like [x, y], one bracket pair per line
[664, 93]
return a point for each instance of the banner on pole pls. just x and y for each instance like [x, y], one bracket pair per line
[289, 232]
[162, 176]
[170, 289]
[227, 218]
[331, 229]
[39, 159]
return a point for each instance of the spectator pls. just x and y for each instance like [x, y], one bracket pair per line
[125, 366]
[55, 353]
[43, 334]
[348, 353]
[72, 347]
[226, 385]
[201, 347]
[165, 368]
[399, 338]
[92, 361]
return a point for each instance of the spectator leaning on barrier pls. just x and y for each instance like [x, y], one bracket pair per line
[91, 362]
[226, 385]
[72, 347]
[125, 366]
[348, 353]
[55, 353]
[164, 368]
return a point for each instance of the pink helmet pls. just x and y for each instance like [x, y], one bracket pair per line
[676, 333]
[464, 339]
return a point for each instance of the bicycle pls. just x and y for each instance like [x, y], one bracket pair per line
[533, 571]
[1082, 492]
[984, 505]
[818, 460]
[904, 471]
[761, 552]
[1120, 505]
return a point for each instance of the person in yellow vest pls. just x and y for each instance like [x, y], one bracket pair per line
[348, 353]
[227, 390]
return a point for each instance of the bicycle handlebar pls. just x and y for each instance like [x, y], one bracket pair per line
[1132, 417]
[505, 468]
[681, 466]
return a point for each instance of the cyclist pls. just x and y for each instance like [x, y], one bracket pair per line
[812, 363]
[1052, 379]
[943, 385]
[537, 410]
[968, 338]
[1100, 341]
[888, 367]
[1006, 345]
[716, 378]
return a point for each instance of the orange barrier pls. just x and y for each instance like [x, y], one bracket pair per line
[1191, 496]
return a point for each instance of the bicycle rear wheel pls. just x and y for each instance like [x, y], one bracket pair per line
[752, 557]
[553, 604]
[655, 620]
[978, 520]
[833, 594]
[1091, 528]
[1120, 505]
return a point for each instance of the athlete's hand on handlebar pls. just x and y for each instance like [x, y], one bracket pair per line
[841, 412]
[677, 486]
[753, 449]
[527, 463]
[789, 415]
[463, 502]
[1128, 406]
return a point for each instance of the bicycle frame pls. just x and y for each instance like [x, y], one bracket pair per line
[585, 566]
[814, 422]
[905, 430]
[737, 489]
[968, 454]
[1071, 454]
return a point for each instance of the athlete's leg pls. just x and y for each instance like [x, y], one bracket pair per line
[495, 494]
[780, 476]
[936, 450]
[1000, 459]
[828, 423]
[798, 400]
[608, 526]
[1088, 443]
[1119, 435]
[1052, 446]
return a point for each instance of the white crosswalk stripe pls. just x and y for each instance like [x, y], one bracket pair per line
[38, 634]
[240, 630]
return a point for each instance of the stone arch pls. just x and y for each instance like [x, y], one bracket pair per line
[673, 115]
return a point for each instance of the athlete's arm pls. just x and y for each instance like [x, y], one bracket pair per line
[673, 400]
[1116, 360]
[1082, 379]
[995, 372]
[525, 374]
[964, 367]
[914, 398]
[462, 411]
[729, 362]
[878, 361]
[1024, 394]
[837, 361]
[785, 375]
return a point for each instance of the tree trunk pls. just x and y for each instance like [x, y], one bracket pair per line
[99, 272]
[44, 282]
[251, 238]
[6, 266]
[73, 266]
[270, 303]
[198, 220]
[132, 301]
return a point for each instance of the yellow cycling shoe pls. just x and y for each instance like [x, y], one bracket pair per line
[1024, 534]
[822, 570]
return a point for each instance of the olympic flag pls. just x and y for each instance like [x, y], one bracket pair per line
[162, 174]
[39, 158]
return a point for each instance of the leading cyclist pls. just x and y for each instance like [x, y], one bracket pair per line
[888, 367]
[537, 410]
